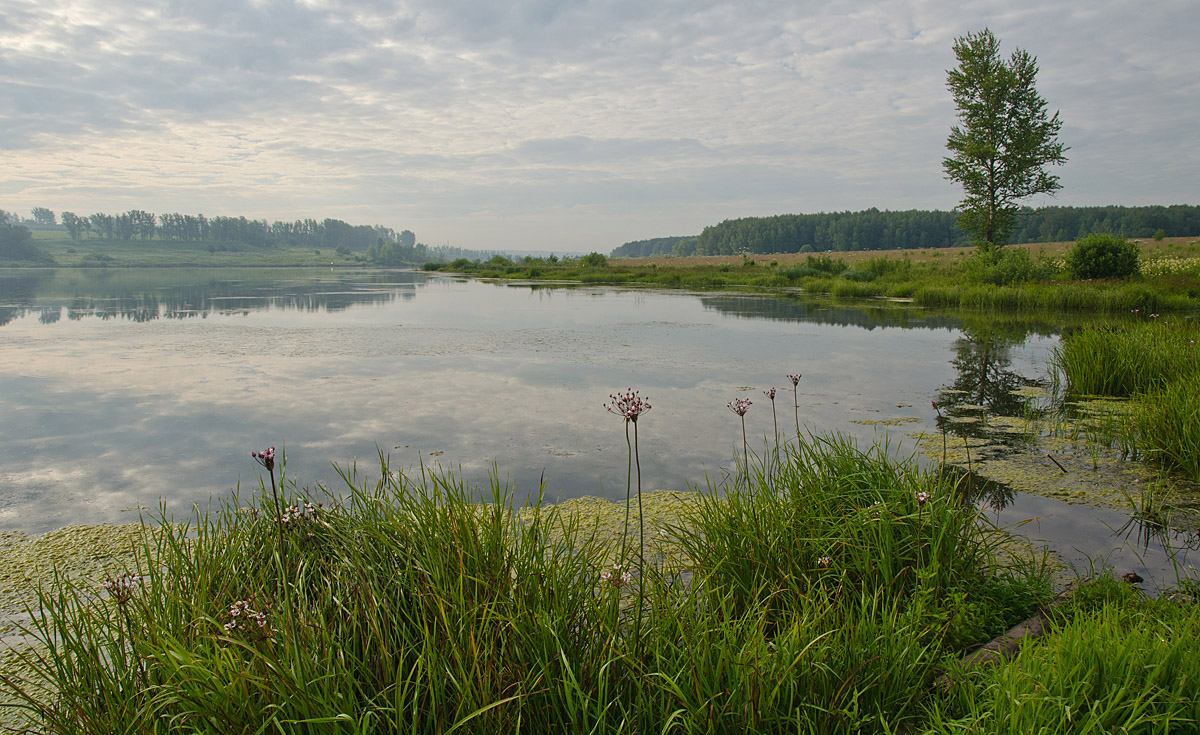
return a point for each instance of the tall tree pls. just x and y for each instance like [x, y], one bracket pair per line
[1004, 138]
[43, 216]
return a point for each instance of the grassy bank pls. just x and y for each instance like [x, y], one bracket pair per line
[1018, 278]
[826, 595]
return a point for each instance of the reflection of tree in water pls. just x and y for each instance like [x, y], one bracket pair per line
[986, 381]
[984, 386]
[142, 298]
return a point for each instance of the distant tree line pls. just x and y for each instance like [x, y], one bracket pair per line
[873, 229]
[656, 247]
[137, 224]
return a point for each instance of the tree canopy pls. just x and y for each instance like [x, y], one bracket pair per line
[1004, 138]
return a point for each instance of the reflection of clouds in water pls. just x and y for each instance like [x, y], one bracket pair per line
[484, 375]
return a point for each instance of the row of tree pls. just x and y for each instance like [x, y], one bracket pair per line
[137, 224]
[873, 229]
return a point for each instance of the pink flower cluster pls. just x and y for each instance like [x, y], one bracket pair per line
[296, 512]
[922, 498]
[739, 406]
[615, 576]
[795, 379]
[122, 588]
[770, 393]
[265, 458]
[245, 618]
[628, 404]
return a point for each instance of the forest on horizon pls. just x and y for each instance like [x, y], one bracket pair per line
[873, 229]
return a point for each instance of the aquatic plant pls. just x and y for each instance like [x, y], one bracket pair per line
[740, 406]
[770, 394]
[630, 406]
[796, 401]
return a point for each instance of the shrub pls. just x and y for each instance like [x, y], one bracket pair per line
[1102, 255]
[826, 264]
[593, 260]
[1004, 266]
[859, 276]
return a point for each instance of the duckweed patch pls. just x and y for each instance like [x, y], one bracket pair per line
[898, 421]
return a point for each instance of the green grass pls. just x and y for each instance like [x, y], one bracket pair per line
[1112, 664]
[1156, 363]
[826, 599]
[1128, 359]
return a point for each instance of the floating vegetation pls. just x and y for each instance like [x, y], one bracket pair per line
[86, 555]
[898, 421]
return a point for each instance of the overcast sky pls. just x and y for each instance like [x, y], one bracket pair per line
[566, 125]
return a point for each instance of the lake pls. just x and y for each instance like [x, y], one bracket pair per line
[124, 389]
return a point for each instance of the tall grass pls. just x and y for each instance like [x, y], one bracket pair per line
[1129, 359]
[1123, 667]
[1157, 364]
[825, 600]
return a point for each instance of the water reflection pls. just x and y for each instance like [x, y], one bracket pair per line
[121, 388]
[143, 295]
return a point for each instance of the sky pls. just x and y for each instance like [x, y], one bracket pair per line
[565, 125]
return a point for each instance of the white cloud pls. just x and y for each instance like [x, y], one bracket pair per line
[489, 123]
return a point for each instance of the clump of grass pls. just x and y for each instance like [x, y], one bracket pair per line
[1168, 426]
[1157, 364]
[1129, 359]
[1112, 664]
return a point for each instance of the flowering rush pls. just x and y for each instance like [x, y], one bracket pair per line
[922, 498]
[739, 406]
[265, 458]
[615, 576]
[628, 404]
[770, 393]
[795, 379]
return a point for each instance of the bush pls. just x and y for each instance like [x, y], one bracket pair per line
[1102, 255]
[1005, 266]
[593, 260]
[826, 264]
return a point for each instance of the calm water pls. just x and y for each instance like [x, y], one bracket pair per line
[127, 389]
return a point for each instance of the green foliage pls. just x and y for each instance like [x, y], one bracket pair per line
[1102, 255]
[593, 260]
[1159, 234]
[826, 264]
[1003, 267]
[1004, 138]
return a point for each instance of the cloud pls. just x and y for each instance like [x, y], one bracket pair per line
[465, 114]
